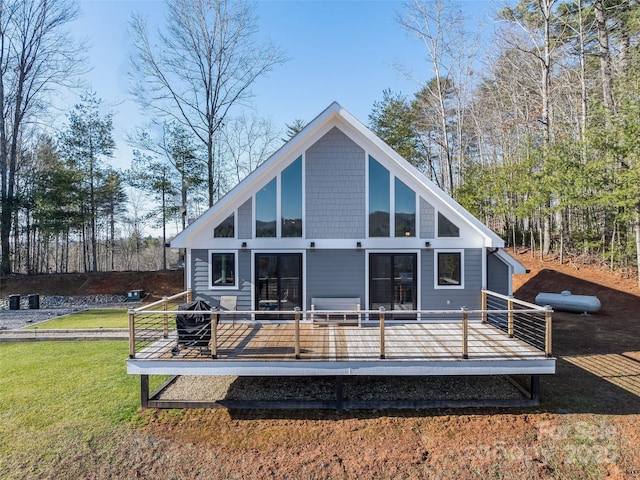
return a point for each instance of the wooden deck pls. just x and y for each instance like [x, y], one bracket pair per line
[409, 349]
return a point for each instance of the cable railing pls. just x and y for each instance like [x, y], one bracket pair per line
[154, 332]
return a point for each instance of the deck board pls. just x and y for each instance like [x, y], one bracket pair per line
[403, 342]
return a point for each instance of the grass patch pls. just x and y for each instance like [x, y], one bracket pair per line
[93, 318]
[58, 399]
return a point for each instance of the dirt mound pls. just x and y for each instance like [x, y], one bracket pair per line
[157, 284]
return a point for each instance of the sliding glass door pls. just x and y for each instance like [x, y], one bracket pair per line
[279, 282]
[392, 281]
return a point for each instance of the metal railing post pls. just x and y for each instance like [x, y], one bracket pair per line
[483, 306]
[547, 336]
[297, 335]
[465, 333]
[382, 349]
[165, 307]
[132, 334]
[213, 344]
[510, 317]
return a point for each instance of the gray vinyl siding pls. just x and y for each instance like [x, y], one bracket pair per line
[335, 273]
[200, 280]
[245, 220]
[450, 298]
[335, 178]
[497, 275]
[427, 219]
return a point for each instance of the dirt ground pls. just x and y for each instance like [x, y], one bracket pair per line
[586, 428]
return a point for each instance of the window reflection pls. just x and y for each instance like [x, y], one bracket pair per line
[266, 207]
[379, 200]
[405, 214]
[449, 269]
[226, 228]
[446, 228]
[291, 200]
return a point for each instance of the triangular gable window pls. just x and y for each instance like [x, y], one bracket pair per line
[226, 229]
[446, 228]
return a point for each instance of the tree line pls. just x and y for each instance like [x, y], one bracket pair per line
[64, 207]
[534, 130]
[542, 143]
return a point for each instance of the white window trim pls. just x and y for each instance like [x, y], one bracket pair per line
[210, 263]
[435, 269]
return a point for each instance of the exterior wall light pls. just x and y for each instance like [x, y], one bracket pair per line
[244, 246]
[312, 245]
[359, 245]
[427, 244]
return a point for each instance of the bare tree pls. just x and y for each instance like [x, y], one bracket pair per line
[247, 142]
[439, 25]
[200, 66]
[36, 54]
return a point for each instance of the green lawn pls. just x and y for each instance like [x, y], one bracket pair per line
[61, 398]
[94, 318]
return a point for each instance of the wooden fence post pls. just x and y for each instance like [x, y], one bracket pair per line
[213, 344]
[165, 307]
[297, 335]
[189, 295]
[510, 317]
[483, 306]
[465, 333]
[548, 326]
[132, 334]
[382, 349]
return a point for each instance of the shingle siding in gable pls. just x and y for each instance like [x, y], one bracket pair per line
[427, 219]
[245, 220]
[335, 188]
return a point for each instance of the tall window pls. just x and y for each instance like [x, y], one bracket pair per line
[226, 228]
[405, 210]
[266, 210]
[291, 200]
[449, 273]
[379, 200]
[223, 270]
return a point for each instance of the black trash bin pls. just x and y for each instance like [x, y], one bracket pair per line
[14, 302]
[34, 301]
[194, 329]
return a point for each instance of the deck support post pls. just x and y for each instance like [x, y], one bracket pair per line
[547, 336]
[382, 347]
[132, 334]
[165, 321]
[465, 333]
[483, 305]
[510, 317]
[339, 392]
[213, 343]
[189, 295]
[144, 391]
[535, 388]
[297, 335]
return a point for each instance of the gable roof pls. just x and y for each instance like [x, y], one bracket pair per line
[334, 115]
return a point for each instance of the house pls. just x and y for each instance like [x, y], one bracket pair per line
[336, 257]
[337, 213]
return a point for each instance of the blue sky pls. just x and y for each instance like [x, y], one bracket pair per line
[338, 50]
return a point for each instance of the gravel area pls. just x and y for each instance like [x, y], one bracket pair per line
[52, 307]
[216, 388]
